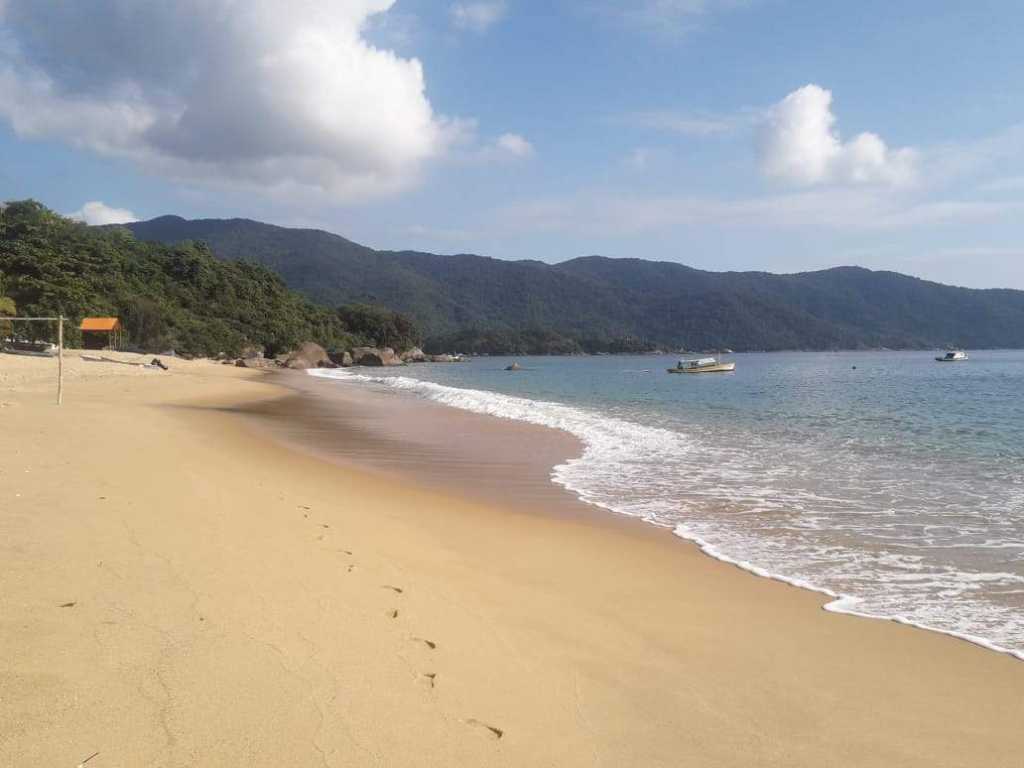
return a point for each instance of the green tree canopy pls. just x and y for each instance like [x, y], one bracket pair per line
[169, 297]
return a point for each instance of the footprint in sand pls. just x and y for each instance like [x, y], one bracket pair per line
[429, 643]
[392, 614]
[496, 733]
[397, 590]
[430, 678]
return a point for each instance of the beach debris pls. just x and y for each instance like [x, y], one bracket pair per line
[90, 757]
[399, 590]
[158, 363]
[514, 367]
[497, 733]
[68, 605]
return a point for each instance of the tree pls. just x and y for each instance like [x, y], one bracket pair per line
[7, 309]
[379, 326]
[169, 296]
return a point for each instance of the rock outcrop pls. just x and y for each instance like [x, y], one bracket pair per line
[261, 363]
[342, 359]
[308, 355]
[375, 356]
[414, 355]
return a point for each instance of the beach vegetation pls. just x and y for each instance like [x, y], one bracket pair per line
[169, 297]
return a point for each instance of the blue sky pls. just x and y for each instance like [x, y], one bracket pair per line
[724, 134]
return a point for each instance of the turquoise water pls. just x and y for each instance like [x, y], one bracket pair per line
[890, 481]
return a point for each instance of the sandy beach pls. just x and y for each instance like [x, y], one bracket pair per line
[181, 586]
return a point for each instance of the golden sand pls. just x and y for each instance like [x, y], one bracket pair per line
[176, 589]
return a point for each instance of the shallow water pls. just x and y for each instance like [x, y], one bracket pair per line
[889, 480]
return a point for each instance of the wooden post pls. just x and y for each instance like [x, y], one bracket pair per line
[60, 360]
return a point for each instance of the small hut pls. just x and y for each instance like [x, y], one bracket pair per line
[102, 333]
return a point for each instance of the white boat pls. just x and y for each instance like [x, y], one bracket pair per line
[953, 356]
[703, 365]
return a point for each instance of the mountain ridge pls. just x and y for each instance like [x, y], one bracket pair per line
[598, 300]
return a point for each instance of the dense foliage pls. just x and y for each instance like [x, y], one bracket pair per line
[169, 297]
[471, 303]
[380, 327]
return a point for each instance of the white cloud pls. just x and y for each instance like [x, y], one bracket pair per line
[265, 94]
[478, 16]
[799, 143]
[515, 145]
[667, 17]
[687, 124]
[96, 212]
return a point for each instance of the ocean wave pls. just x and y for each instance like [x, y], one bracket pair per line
[666, 477]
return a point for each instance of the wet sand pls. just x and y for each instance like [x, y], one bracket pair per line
[180, 589]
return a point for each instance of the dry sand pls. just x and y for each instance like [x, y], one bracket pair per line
[176, 589]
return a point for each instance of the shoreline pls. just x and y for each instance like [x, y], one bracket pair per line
[235, 600]
[834, 602]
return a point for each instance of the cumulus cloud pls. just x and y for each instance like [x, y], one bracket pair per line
[478, 16]
[96, 212]
[799, 143]
[266, 93]
[515, 145]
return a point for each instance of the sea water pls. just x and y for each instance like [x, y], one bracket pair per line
[887, 480]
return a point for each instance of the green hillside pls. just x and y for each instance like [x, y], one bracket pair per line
[473, 302]
[170, 297]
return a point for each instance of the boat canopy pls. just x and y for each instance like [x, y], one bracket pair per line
[699, 363]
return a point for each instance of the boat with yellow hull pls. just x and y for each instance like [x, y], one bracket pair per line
[703, 365]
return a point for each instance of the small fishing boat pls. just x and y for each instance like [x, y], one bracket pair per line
[703, 365]
[953, 356]
[31, 348]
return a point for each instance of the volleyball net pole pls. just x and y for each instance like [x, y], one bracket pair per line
[59, 320]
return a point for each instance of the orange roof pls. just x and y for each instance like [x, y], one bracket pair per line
[100, 324]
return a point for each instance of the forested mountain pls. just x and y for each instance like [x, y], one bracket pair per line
[477, 303]
[168, 296]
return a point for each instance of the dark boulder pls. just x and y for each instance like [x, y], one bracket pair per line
[342, 359]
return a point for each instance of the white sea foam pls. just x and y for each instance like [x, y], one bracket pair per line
[640, 471]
